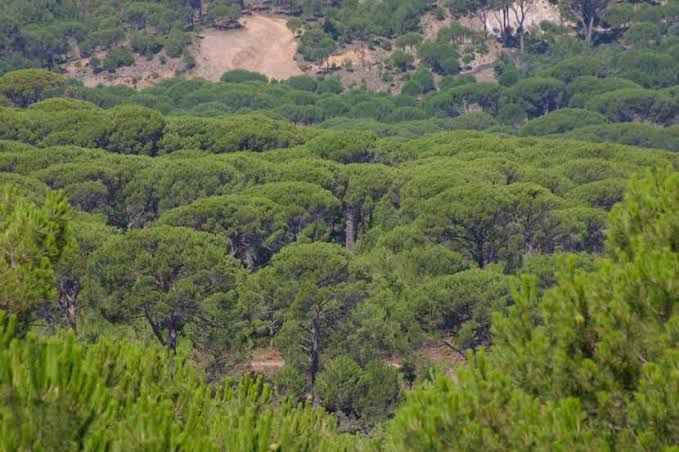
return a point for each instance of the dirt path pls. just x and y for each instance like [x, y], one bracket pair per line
[264, 45]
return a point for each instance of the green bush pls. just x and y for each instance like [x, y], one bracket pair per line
[118, 395]
[290, 382]
[135, 130]
[25, 87]
[240, 76]
[561, 121]
[118, 57]
[145, 43]
[559, 360]
[629, 105]
[340, 386]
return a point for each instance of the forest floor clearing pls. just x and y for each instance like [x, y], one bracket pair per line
[143, 74]
[267, 361]
[264, 45]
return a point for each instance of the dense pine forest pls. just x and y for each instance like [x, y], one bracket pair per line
[482, 254]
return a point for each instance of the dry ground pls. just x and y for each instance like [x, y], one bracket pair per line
[264, 44]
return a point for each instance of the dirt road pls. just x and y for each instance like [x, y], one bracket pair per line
[264, 45]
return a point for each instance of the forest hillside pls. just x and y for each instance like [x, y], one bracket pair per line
[462, 236]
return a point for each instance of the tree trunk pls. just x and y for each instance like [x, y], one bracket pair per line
[521, 40]
[314, 352]
[314, 358]
[249, 258]
[350, 231]
[589, 29]
[506, 30]
[154, 327]
[483, 14]
[68, 303]
[172, 335]
[480, 258]
[172, 340]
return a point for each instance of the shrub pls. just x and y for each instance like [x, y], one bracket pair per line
[27, 86]
[340, 385]
[135, 130]
[561, 121]
[636, 104]
[241, 75]
[118, 57]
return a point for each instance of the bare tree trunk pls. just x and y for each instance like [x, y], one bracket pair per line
[314, 359]
[314, 354]
[68, 303]
[172, 334]
[480, 258]
[520, 10]
[154, 327]
[505, 25]
[249, 258]
[172, 340]
[483, 14]
[589, 30]
[350, 231]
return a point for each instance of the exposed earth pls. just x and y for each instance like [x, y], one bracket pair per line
[264, 45]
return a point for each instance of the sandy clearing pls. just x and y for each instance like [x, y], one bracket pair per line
[264, 44]
[143, 74]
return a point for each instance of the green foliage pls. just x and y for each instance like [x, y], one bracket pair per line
[351, 229]
[145, 43]
[135, 130]
[569, 70]
[585, 87]
[118, 57]
[381, 391]
[240, 76]
[401, 60]
[222, 13]
[175, 43]
[537, 96]
[254, 227]
[290, 382]
[636, 104]
[344, 147]
[33, 240]
[57, 393]
[441, 57]
[315, 45]
[644, 135]
[339, 385]
[462, 304]
[586, 366]
[25, 87]
[563, 120]
[345, 387]
[177, 279]
[310, 287]
[228, 134]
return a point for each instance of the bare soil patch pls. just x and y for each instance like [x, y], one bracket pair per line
[266, 361]
[264, 44]
[142, 74]
[357, 65]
